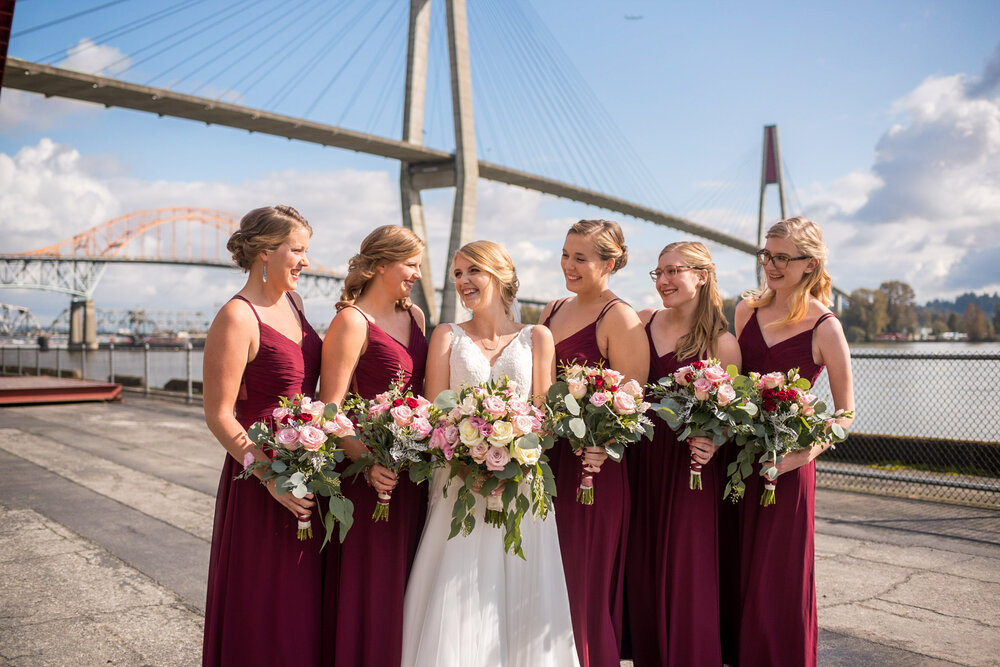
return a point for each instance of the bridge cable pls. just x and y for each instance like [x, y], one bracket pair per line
[242, 56]
[234, 6]
[317, 56]
[124, 29]
[280, 48]
[394, 77]
[85, 12]
[347, 62]
[216, 42]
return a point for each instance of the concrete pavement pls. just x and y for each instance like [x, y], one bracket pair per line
[105, 521]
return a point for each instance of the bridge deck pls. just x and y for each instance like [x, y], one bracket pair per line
[43, 389]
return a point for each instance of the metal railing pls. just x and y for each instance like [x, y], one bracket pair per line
[926, 426]
[130, 366]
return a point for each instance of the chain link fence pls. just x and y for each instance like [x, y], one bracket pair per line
[927, 426]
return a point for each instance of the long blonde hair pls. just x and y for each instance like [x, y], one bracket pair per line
[494, 259]
[385, 245]
[608, 240]
[709, 321]
[808, 240]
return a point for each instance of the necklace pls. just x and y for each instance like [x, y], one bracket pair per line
[495, 345]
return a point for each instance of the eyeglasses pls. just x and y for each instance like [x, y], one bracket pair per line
[779, 261]
[672, 271]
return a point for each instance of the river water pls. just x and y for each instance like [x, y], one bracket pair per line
[920, 391]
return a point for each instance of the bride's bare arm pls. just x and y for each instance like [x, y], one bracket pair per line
[543, 362]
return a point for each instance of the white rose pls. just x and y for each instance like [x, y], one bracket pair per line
[527, 457]
[468, 433]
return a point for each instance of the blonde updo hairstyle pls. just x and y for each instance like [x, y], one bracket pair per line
[263, 229]
[709, 321]
[493, 259]
[808, 240]
[607, 238]
[387, 244]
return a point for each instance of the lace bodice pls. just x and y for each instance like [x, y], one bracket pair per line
[468, 365]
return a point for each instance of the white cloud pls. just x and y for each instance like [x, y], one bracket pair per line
[99, 59]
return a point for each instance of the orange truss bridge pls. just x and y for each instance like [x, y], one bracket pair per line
[177, 236]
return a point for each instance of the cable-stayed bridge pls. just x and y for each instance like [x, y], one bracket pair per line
[533, 109]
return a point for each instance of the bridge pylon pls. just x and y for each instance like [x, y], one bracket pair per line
[462, 170]
[770, 174]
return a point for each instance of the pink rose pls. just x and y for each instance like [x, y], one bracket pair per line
[479, 450]
[312, 438]
[808, 408]
[401, 414]
[486, 429]
[716, 375]
[495, 406]
[577, 388]
[438, 441]
[725, 394]
[378, 408]
[382, 398]
[523, 424]
[624, 403]
[451, 434]
[339, 426]
[702, 387]
[599, 398]
[632, 387]
[497, 458]
[280, 413]
[681, 376]
[772, 381]
[612, 378]
[314, 408]
[449, 450]
[518, 406]
[288, 438]
[420, 427]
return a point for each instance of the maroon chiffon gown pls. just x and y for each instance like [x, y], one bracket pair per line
[263, 604]
[591, 537]
[777, 543]
[365, 577]
[671, 584]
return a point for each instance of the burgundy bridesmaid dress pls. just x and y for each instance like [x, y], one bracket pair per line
[777, 543]
[365, 577]
[671, 584]
[591, 537]
[263, 605]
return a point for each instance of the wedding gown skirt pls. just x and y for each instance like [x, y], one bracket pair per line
[468, 603]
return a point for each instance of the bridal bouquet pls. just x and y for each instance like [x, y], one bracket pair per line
[789, 419]
[591, 407]
[702, 399]
[396, 428]
[494, 438]
[300, 441]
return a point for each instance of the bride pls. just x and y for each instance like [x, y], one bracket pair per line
[469, 603]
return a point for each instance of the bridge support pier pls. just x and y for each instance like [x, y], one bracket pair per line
[82, 325]
[462, 172]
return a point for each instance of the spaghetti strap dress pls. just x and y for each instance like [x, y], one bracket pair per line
[365, 577]
[777, 543]
[256, 553]
[671, 584]
[592, 538]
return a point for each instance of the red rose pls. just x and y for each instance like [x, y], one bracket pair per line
[286, 419]
[398, 402]
[412, 403]
[697, 365]
[614, 388]
[770, 406]
[598, 381]
[305, 417]
[690, 377]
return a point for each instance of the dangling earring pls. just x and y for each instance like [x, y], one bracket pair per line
[265, 273]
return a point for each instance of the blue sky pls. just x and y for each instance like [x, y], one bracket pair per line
[889, 114]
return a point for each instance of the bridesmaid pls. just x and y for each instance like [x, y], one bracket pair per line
[672, 588]
[787, 325]
[377, 331]
[593, 327]
[260, 347]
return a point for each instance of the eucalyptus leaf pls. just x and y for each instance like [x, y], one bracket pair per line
[572, 405]
[578, 426]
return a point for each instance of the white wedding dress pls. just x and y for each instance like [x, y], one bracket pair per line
[468, 603]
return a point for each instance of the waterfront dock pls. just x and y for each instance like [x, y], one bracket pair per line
[106, 517]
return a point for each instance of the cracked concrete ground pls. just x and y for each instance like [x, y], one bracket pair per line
[106, 513]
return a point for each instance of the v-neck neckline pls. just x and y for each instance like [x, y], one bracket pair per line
[502, 352]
